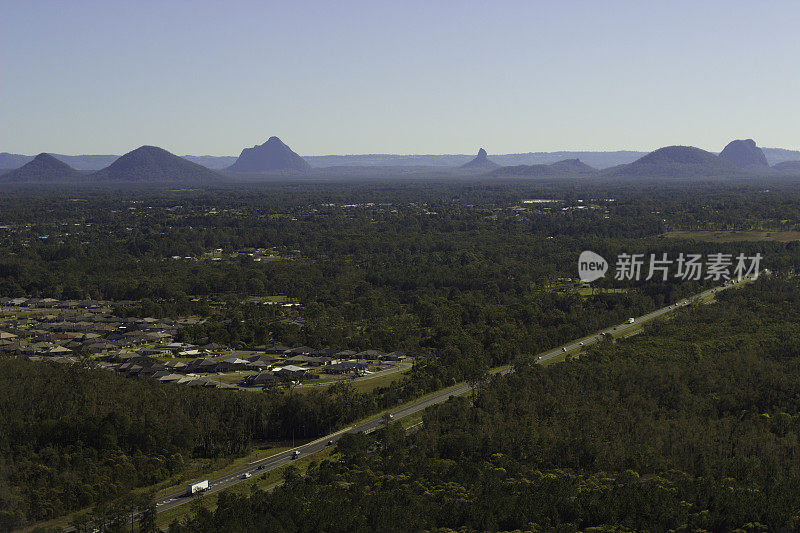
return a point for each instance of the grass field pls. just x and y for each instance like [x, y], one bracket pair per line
[367, 385]
[267, 299]
[735, 236]
[361, 385]
[587, 291]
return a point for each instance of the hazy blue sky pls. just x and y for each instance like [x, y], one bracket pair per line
[335, 77]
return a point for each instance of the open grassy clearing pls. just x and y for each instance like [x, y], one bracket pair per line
[588, 291]
[367, 385]
[265, 299]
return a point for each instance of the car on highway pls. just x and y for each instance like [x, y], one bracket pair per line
[295, 454]
[563, 349]
[246, 475]
[329, 443]
[580, 343]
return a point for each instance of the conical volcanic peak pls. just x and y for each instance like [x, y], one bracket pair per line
[271, 156]
[155, 165]
[43, 168]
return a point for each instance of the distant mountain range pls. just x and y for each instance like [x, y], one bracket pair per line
[147, 164]
[273, 159]
[788, 166]
[214, 162]
[599, 160]
[567, 167]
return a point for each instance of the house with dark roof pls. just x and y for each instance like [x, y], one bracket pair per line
[300, 350]
[260, 380]
[291, 371]
[203, 365]
[143, 361]
[324, 352]
[345, 367]
[259, 364]
[393, 356]
[175, 365]
[308, 360]
[278, 349]
[232, 364]
[370, 355]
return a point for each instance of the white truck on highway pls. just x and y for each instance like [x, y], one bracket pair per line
[198, 486]
[631, 320]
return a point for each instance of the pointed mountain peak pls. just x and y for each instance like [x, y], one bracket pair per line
[481, 161]
[271, 156]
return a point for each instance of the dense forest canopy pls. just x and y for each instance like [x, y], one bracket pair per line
[691, 426]
[462, 276]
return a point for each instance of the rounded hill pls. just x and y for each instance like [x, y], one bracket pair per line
[155, 165]
[43, 168]
[681, 162]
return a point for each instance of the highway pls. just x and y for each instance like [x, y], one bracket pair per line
[621, 329]
[286, 457]
[281, 459]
